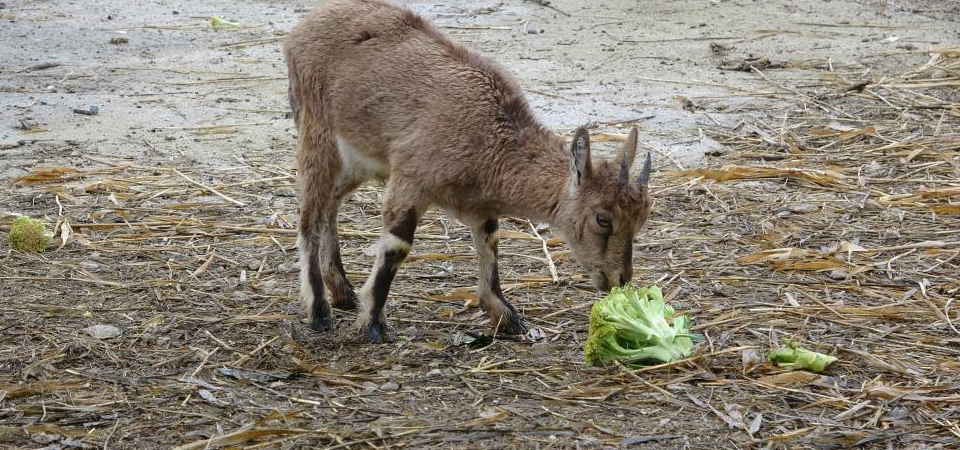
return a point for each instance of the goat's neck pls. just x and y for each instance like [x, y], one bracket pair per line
[540, 180]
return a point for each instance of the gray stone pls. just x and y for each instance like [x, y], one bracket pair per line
[102, 331]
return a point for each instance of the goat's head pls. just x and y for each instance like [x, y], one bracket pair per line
[603, 209]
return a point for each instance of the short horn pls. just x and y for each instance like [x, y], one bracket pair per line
[624, 174]
[644, 178]
[627, 153]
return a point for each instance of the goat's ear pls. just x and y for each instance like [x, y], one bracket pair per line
[626, 156]
[644, 179]
[580, 156]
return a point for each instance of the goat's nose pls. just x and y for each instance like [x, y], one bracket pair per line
[626, 275]
[603, 285]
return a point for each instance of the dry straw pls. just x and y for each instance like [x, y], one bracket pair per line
[836, 225]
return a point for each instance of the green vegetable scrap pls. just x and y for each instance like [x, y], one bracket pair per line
[799, 357]
[27, 235]
[217, 22]
[631, 325]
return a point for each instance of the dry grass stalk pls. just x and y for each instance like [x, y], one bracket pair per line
[835, 226]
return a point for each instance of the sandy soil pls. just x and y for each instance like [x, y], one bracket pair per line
[172, 93]
[598, 62]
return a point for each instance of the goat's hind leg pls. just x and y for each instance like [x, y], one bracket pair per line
[309, 247]
[321, 189]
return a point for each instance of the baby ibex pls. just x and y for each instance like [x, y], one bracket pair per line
[379, 93]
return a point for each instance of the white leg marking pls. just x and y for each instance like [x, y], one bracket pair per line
[387, 243]
[306, 291]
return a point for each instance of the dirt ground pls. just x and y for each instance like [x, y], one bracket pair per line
[830, 128]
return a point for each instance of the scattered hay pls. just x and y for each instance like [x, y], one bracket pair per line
[843, 238]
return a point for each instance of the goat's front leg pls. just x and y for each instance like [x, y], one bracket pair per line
[502, 314]
[395, 244]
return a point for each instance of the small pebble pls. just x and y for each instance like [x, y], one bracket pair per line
[488, 413]
[94, 110]
[839, 274]
[390, 386]
[102, 331]
[270, 287]
[873, 169]
[802, 208]
[288, 267]
[285, 192]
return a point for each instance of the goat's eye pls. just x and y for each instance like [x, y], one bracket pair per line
[603, 220]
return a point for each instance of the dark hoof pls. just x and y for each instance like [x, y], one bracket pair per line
[321, 324]
[376, 333]
[347, 302]
[512, 325]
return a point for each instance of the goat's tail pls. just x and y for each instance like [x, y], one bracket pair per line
[293, 89]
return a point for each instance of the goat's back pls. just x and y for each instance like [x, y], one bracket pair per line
[385, 78]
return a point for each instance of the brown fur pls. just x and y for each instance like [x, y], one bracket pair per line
[380, 93]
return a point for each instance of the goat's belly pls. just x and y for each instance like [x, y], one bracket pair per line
[358, 167]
